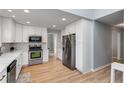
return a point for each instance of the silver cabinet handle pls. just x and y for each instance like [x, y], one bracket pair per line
[2, 77]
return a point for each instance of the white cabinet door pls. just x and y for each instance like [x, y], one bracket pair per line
[32, 31]
[0, 32]
[19, 33]
[18, 65]
[21, 60]
[27, 31]
[45, 55]
[25, 34]
[3, 76]
[44, 35]
[13, 31]
[37, 31]
[8, 30]
[25, 58]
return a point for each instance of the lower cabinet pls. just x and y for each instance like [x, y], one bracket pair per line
[19, 65]
[25, 58]
[3, 76]
[45, 55]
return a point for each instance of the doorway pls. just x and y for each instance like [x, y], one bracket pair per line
[52, 44]
[116, 45]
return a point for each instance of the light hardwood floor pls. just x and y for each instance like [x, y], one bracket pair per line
[55, 72]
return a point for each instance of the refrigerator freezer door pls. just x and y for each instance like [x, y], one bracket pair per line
[69, 51]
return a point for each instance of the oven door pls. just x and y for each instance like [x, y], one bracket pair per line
[33, 55]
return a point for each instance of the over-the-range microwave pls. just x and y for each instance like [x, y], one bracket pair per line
[35, 39]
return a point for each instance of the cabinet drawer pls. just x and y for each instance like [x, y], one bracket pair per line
[3, 77]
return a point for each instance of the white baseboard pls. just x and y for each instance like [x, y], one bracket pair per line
[86, 72]
[101, 67]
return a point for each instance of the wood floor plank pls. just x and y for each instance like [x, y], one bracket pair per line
[55, 72]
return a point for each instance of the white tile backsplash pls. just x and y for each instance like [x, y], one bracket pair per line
[6, 47]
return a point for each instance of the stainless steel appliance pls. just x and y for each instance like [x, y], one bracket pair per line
[35, 50]
[35, 54]
[69, 55]
[11, 72]
[35, 39]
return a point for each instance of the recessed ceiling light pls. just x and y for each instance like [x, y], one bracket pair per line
[9, 10]
[54, 25]
[26, 11]
[63, 19]
[28, 22]
[13, 16]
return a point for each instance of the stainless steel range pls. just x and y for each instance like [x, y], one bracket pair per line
[35, 52]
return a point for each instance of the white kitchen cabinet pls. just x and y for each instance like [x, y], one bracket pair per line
[0, 32]
[37, 31]
[25, 58]
[19, 33]
[45, 55]
[25, 33]
[45, 52]
[34, 31]
[8, 30]
[30, 31]
[3, 76]
[19, 64]
[44, 35]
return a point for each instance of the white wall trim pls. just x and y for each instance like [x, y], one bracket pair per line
[92, 46]
[86, 72]
[101, 67]
[94, 70]
[118, 45]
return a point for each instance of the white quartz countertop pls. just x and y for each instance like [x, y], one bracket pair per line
[7, 58]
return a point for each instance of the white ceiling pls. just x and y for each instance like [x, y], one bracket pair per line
[113, 19]
[41, 17]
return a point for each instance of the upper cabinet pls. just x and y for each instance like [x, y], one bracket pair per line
[37, 31]
[25, 33]
[0, 32]
[13, 32]
[8, 30]
[30, 31]
[19, 33]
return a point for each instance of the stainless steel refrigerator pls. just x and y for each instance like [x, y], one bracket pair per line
[68, 57]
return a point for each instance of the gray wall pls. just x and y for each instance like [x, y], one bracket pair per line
[102, 45]
[122, 44]
[114, 44]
